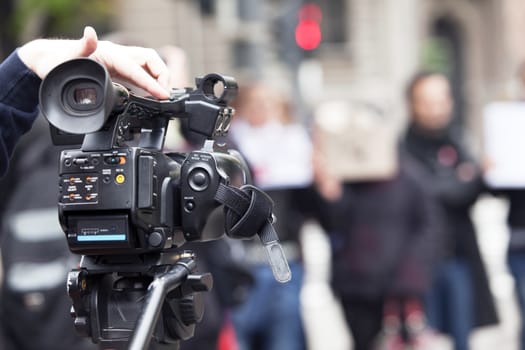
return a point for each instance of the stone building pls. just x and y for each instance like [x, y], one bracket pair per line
[369, 50]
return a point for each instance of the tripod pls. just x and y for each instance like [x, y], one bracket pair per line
[125, 306]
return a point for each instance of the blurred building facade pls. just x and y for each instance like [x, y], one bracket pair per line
[370, 48]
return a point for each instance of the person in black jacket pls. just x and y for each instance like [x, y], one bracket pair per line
[384, 236]
[460, 298]
[383, 228]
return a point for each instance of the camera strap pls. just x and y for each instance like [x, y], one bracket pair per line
[247, 212]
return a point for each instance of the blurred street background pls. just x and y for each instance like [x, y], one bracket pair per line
[361, 51]
[368, 50]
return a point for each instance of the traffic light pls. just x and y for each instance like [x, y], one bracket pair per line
[308, 34]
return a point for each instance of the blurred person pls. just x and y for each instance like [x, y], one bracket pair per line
[34, 304]
[278, 151]
[516, 222]
[516, 250]
[383, 228]
[513, 192]
[460, 298]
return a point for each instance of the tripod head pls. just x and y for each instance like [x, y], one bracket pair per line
[128, 309]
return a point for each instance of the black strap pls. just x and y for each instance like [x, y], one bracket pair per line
[247, 211]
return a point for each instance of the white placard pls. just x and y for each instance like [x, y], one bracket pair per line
[504, 143]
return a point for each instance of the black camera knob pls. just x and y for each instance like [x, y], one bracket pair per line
[199, 180]
[191, 309]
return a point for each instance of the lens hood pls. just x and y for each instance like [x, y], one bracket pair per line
[77, 96]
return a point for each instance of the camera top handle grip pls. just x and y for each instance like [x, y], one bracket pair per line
[79, 97]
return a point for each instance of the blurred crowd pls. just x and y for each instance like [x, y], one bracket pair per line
[395, 206]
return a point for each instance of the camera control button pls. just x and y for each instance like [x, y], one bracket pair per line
[190, 205]
[80, 161]
[155, 239]
[120, 178]
[199, 180]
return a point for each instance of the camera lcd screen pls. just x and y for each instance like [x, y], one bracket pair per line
[112, 228]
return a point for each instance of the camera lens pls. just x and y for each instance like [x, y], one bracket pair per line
[85, 96]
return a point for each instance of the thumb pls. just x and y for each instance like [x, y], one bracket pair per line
[88, 43]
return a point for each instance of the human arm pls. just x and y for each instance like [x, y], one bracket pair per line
[22, 71]
[140, 66]
[424, 243]
[461, 188]
[452, 176]
[18, 104]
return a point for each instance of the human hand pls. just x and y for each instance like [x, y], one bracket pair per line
[466, 171]
[140, 66]
[327, 184]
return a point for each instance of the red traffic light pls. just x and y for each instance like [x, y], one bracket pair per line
[308, 31]
[308, 35]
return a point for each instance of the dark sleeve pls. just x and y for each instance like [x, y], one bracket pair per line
[424, 245]
[329, 214]
[18, 104]
[457, 193]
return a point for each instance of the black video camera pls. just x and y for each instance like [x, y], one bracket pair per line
[126, 206]
[117, 199]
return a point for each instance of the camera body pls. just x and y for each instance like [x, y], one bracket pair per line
[130, 201]
[119, 193]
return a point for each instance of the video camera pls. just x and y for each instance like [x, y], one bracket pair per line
[127, 207]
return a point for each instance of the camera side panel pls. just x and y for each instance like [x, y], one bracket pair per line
[96, 198]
